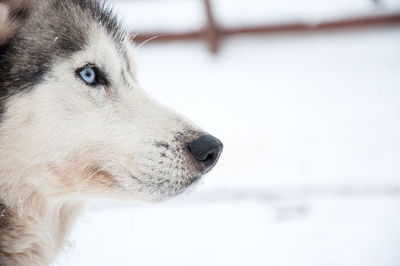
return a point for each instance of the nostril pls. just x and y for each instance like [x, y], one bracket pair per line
[206, 149]
[209, 159]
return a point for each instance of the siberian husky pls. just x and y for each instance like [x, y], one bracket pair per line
[75, 124]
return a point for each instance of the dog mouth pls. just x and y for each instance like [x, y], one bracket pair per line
[161, 189]
[170, 168]
[197, 157]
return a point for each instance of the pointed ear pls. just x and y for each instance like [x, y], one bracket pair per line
[13, 14]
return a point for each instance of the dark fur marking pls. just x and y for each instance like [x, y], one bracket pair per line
[128, 66]
[183, 138]
[124, 80]
[104, 15]
[3, 216]
[162, 144]
[20, 14]
[5, 223]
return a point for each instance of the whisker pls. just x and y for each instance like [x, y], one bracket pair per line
[148, 40]
[132, 38]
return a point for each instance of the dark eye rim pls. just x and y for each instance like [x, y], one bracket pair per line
[100, 77]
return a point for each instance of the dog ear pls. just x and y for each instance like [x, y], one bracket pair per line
[13, 14]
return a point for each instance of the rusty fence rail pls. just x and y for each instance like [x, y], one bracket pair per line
[213, 34]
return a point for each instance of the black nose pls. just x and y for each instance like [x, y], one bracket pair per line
[206, 150]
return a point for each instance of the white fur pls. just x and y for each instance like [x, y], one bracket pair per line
[64, 141]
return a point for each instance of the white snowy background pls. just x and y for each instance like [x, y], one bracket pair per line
[310, 173]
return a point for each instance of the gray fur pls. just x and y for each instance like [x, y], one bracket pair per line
[51, 29]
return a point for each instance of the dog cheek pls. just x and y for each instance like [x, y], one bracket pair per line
[80, 177]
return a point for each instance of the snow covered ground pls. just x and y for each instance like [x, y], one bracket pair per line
[310, 173]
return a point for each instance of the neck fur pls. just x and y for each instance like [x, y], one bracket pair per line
[33, 227]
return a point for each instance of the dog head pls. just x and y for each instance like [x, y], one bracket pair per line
[75, 121]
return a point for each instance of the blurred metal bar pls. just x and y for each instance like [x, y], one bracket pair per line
[350, 23]
[212, 29]
[167, 37]
[213, 34]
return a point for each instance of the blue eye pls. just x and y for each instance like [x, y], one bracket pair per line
[92, 75]
[88, 74]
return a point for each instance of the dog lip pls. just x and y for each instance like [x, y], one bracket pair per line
[191, 182]
[138, 180]
[169, 192]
